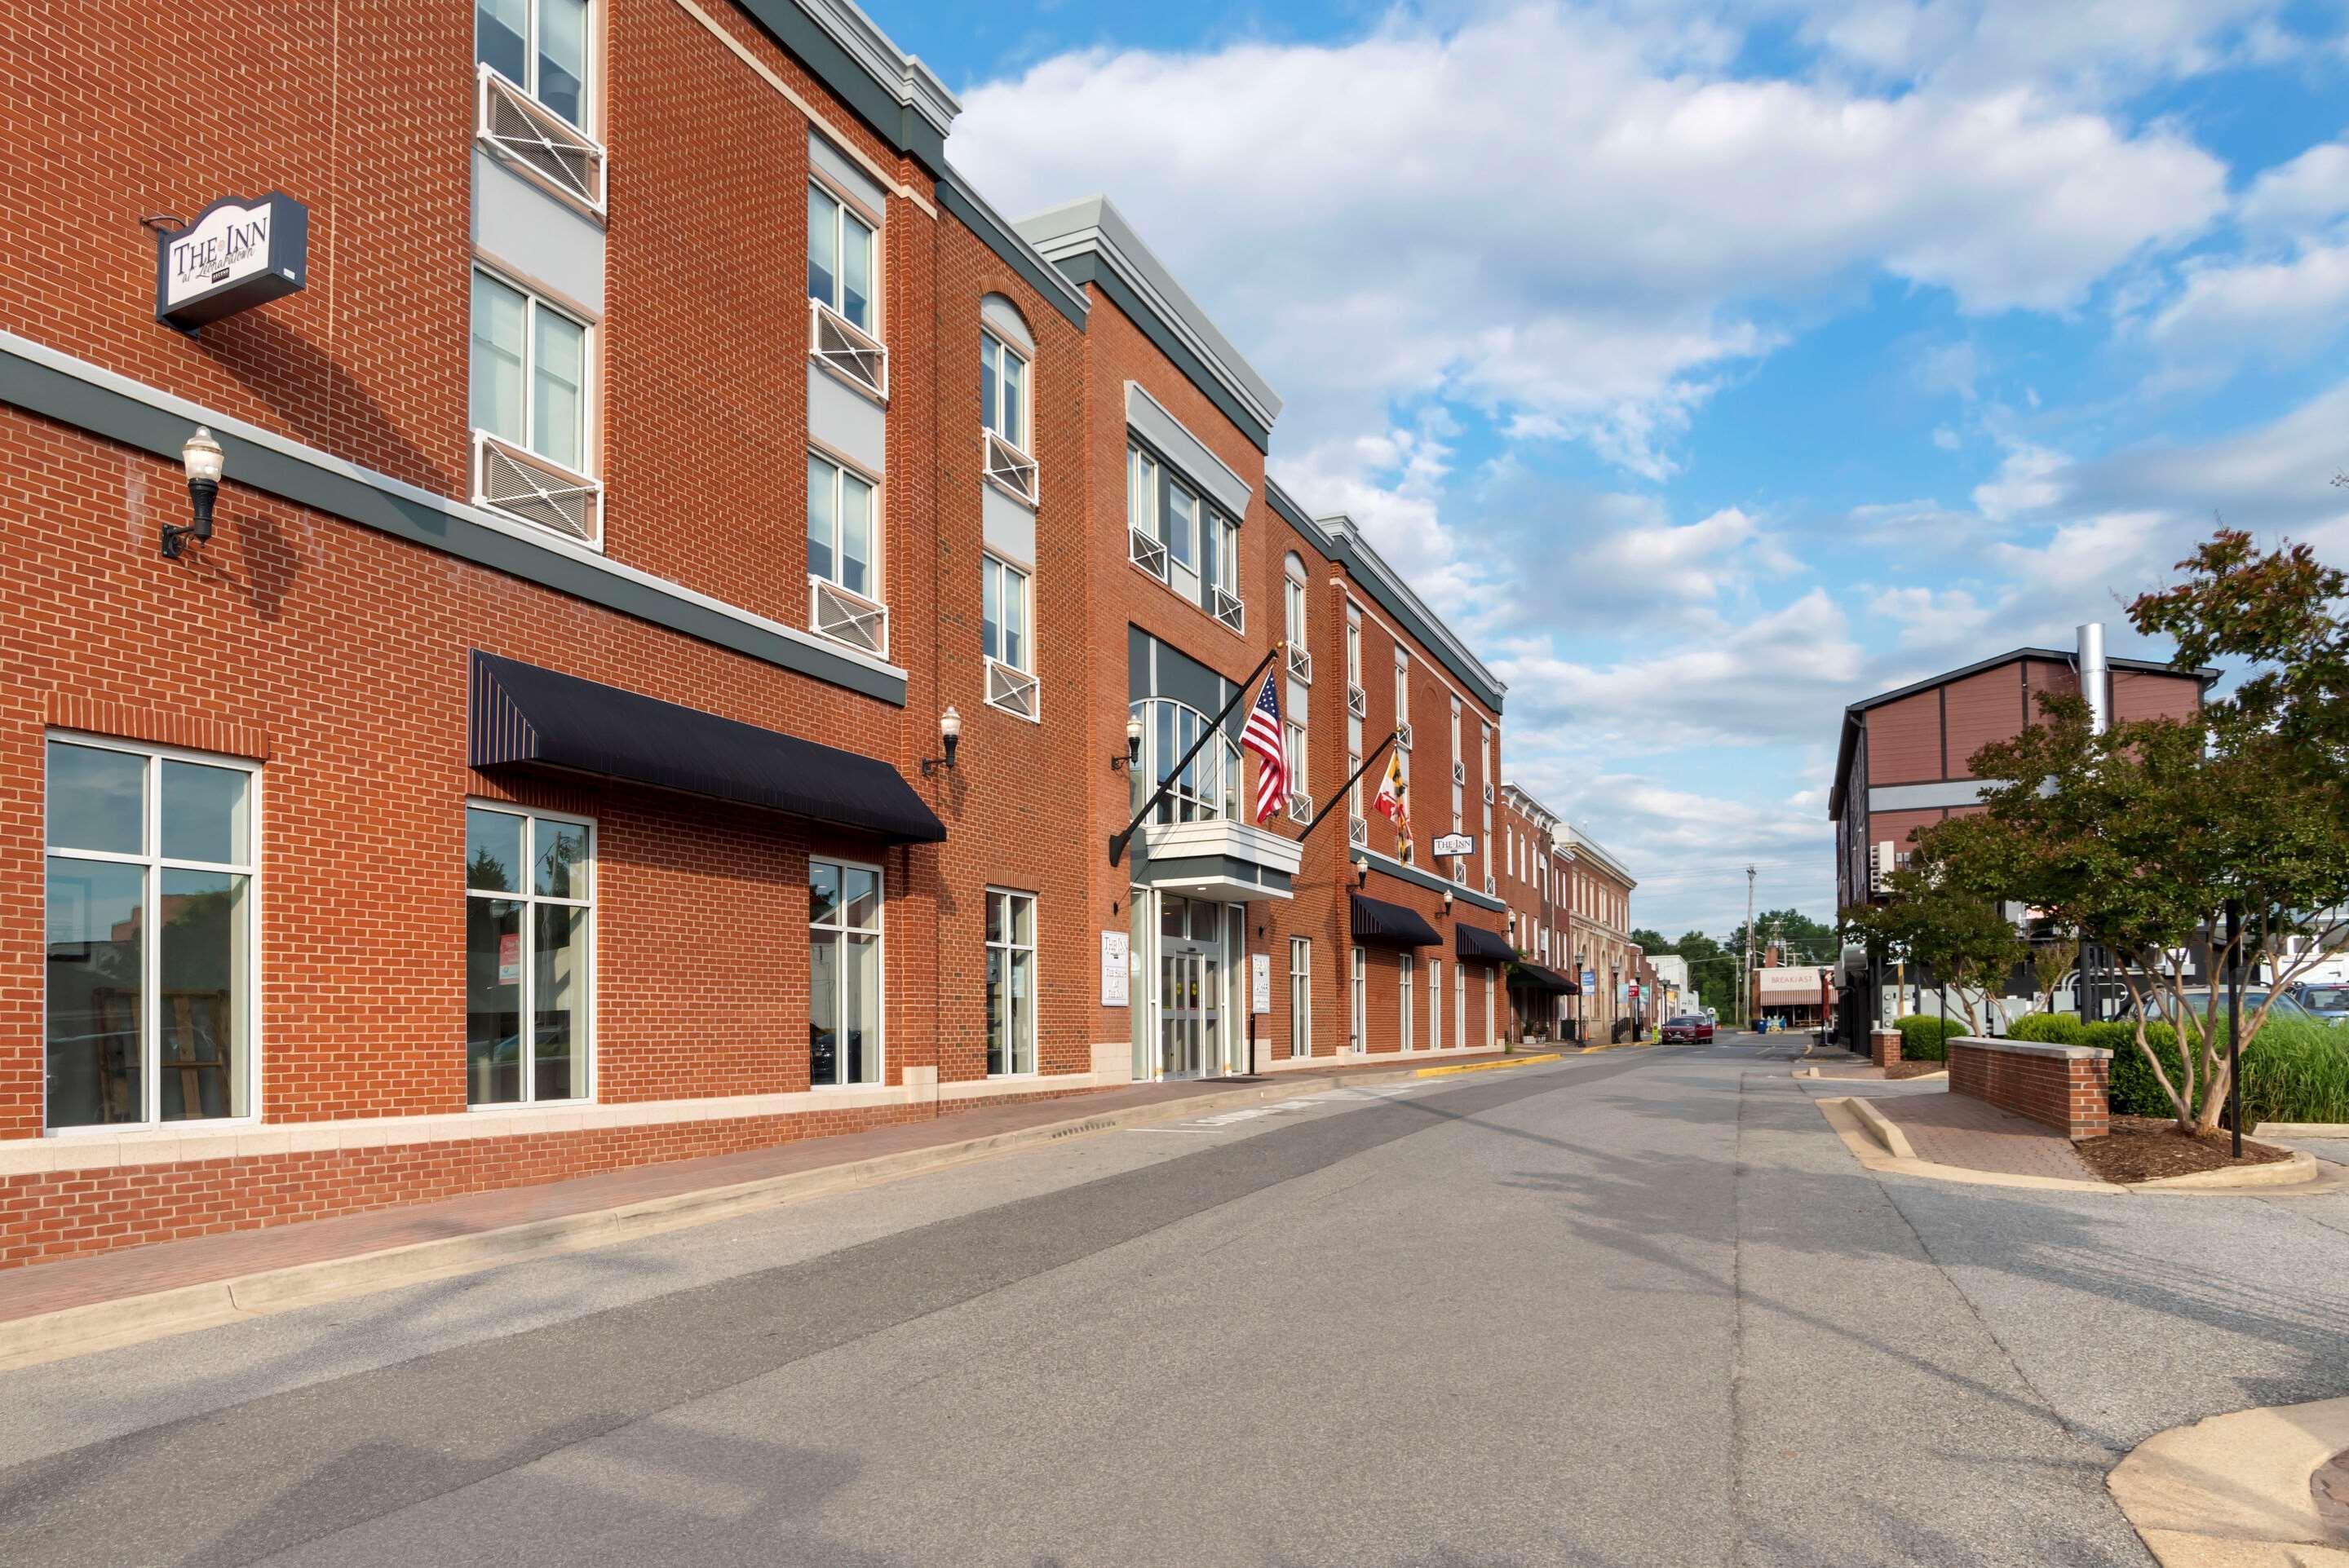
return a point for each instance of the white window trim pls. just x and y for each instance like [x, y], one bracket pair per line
[1025, 672]
[1233, 760]
[591, 97]
[1408, 981]
[849, 202]
[880, 935]
[594, 967]
[1301, 991]
[1035, 990]
[990, 438]
[878, 595]
[537, 297]
[151, 1086]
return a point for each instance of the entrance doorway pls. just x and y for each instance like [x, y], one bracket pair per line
[1191, 988]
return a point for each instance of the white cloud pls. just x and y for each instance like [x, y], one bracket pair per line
[1597, 282]
[2027, 479]
[2301, 195]
[2285, 309]
[1930, 618]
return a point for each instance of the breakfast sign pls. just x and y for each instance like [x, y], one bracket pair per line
[235, 255]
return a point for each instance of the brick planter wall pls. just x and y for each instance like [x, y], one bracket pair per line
[2061, 1086]
[1884, 1047]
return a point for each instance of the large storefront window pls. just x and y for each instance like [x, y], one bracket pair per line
[1209, 788]
[843, 973]
[150, 935]
[529, 939]
[1010, 982]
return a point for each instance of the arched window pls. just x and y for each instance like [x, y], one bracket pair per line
[1292, 588]
[1207, 789]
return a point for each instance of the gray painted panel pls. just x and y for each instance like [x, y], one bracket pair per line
[113, 415]
[1428, 880]
[841, 172]
[1202, 868]
[1009, 527]
[846, 420]
[516, 223]
[1186, 452]
[1004, 319]
[1927, 797]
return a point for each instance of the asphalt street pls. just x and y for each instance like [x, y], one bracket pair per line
[1635, 1308]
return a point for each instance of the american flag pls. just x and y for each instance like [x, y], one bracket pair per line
[1263, 736]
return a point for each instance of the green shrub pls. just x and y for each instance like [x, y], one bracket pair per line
[2296, 1070]
[2048, 1028]
[1926, 1039]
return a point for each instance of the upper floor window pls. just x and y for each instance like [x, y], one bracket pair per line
[1182, 538]
[843, 554]
[1292, 617]
[1145, 546]
[1004, 609]
[1207, 788]
[1002, 391]
[541, 46]
[1220, 567]
[841, 259]
[530, 396]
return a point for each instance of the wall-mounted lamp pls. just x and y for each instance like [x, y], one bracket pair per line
[950, 732]
[1362, 874]
[203, 460]
[1447, 901]
[1132, 745]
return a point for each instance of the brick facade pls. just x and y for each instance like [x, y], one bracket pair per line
[324, 632]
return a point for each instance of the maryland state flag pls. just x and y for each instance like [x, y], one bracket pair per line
[1389, 803]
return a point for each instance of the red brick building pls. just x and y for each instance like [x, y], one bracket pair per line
[1902, 757]
[624, 709]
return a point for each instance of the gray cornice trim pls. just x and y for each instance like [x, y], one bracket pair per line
[1387, 865]
[1296, 517]
[57, 386]
[1395, 597]
[1578, 844]
[957, 196]
[893, 91]
[1090, 269]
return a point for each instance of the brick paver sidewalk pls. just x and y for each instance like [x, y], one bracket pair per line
[164, 1266]
[1958, 1129]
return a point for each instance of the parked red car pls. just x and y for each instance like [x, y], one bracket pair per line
[1691, 1028]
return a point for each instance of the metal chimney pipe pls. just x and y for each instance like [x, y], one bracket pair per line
[2096, 677]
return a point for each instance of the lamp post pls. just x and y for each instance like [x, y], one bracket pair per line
[204, 460]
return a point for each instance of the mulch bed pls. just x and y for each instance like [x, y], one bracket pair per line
[1915, 1069]
[2330, 1489]
[2143, 1148]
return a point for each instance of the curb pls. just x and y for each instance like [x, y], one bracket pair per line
[1485, 1067]
[130, 1320]
[2234, 1491]
[1880, 1127]
[2302, 1130]
[1860, 1135]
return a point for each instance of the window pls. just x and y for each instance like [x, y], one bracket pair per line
[1300, 789]
[841, 259]
[150, 971]
[1301, 996]
[541, 46]
[1402, 695]
[1292, 617]
[1460, 1005]
[1144, 547]
[1409, 968]
[529, 397]
[843, 973]
[1488, 1004]
[1220, 567]
[842, 554]
[1209, 788]
[1181, 538]
[1003, 633]
[1002, 391]
[528, 937]
[1357, 1040]
[1010, 982]
[1354, 709]
[1435, 1004]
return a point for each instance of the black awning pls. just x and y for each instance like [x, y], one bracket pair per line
[1541, 979]
[1475, 942]
[524, 716]
[1375, 920]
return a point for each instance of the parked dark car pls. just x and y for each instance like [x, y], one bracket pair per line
[1691, 1028]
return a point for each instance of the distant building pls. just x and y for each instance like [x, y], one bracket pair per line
[1901, 760]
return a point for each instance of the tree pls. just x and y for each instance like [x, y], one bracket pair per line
[2051, 961]
[1712, 971]
[1943, 913]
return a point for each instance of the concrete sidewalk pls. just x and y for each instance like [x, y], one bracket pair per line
[414, 1240]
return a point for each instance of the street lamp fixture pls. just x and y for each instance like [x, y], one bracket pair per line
[204, 460]
[1132, 745]
[949, 732]
[1361, 873]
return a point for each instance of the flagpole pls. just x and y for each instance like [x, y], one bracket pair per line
[1379, 751]
[1117, 841]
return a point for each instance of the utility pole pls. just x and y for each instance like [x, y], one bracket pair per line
[1745, 977]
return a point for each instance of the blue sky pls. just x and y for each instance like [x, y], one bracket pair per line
[1714, 364]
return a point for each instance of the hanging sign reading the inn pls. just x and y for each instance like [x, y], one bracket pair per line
[1453, 844]
[235, 255]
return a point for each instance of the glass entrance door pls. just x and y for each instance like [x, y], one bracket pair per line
[1190, 1010]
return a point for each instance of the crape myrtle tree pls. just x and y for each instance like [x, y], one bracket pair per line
[1943, 912]
[2137, 838]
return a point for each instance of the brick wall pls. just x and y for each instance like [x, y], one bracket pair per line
[2062, 1086]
